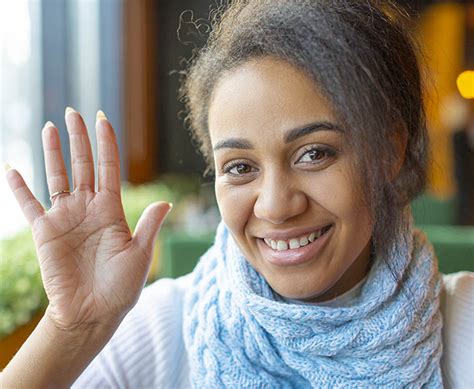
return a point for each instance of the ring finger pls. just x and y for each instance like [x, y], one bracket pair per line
[56, 174]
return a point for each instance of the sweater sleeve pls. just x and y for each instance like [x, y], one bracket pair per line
[457, 306]
[147, 349]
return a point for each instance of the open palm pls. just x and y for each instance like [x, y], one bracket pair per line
[93, 269]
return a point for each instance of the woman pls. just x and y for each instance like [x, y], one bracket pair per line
[310, 113]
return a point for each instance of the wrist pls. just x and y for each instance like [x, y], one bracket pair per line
[79, 334]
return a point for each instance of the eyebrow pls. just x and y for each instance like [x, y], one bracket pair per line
[296, 133]
[233, 143]
[290, 136]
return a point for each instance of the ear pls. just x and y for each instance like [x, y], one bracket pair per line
[399, 141]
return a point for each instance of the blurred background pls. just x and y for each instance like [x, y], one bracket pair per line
[124, 57]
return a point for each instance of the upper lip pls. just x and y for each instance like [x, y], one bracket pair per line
[289, 233]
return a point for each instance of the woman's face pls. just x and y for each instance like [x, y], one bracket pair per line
[285, 184]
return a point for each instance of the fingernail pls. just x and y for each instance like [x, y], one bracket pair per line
[49, 124]
[171, 206]
[69, 110]
[6, 166]
[100, 116]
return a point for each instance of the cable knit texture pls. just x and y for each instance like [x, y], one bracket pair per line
[239, 334]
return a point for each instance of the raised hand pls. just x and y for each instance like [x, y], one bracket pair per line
[92, 268]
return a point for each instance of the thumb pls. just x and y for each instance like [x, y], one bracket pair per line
[150, 223]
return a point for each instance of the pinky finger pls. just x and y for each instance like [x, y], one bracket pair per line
[31, 207]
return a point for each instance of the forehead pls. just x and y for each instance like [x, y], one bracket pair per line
[262, 97]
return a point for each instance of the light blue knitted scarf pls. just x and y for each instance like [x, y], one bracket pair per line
[238, 334]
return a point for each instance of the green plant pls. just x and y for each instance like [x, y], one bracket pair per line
[171, 188]
[21, 289]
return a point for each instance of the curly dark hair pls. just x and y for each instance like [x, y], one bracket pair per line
[361, 57]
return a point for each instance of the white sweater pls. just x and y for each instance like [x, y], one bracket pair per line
[147, 350]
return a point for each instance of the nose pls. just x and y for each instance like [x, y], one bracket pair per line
[279, 199]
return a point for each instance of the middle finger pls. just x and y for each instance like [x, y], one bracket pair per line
[81, 152]
[56, 174]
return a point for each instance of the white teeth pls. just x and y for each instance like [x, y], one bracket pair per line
[294, 243]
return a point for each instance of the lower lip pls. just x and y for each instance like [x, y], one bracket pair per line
[297, 256]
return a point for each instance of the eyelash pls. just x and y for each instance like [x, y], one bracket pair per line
[231, 165]
[329, 153]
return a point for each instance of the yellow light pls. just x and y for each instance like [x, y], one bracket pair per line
[465, 84]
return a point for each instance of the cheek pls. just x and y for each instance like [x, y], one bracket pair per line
[336, 191]
[235, 205]
[356, 224]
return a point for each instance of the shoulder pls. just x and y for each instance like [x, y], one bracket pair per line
[147, 350]
[457, 308]
[457, 295]
[458, 283]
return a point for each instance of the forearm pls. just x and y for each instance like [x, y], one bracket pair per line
[54, 358]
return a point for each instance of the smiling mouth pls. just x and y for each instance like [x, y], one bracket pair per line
[297, 242]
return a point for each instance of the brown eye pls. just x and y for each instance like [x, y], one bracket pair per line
[238, 169]
[315, 155]
[243, 168]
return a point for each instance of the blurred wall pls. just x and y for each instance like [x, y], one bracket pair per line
[441, 30]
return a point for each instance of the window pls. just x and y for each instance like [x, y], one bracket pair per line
[54, 54]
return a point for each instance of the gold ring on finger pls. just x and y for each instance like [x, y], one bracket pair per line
[58, 193]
